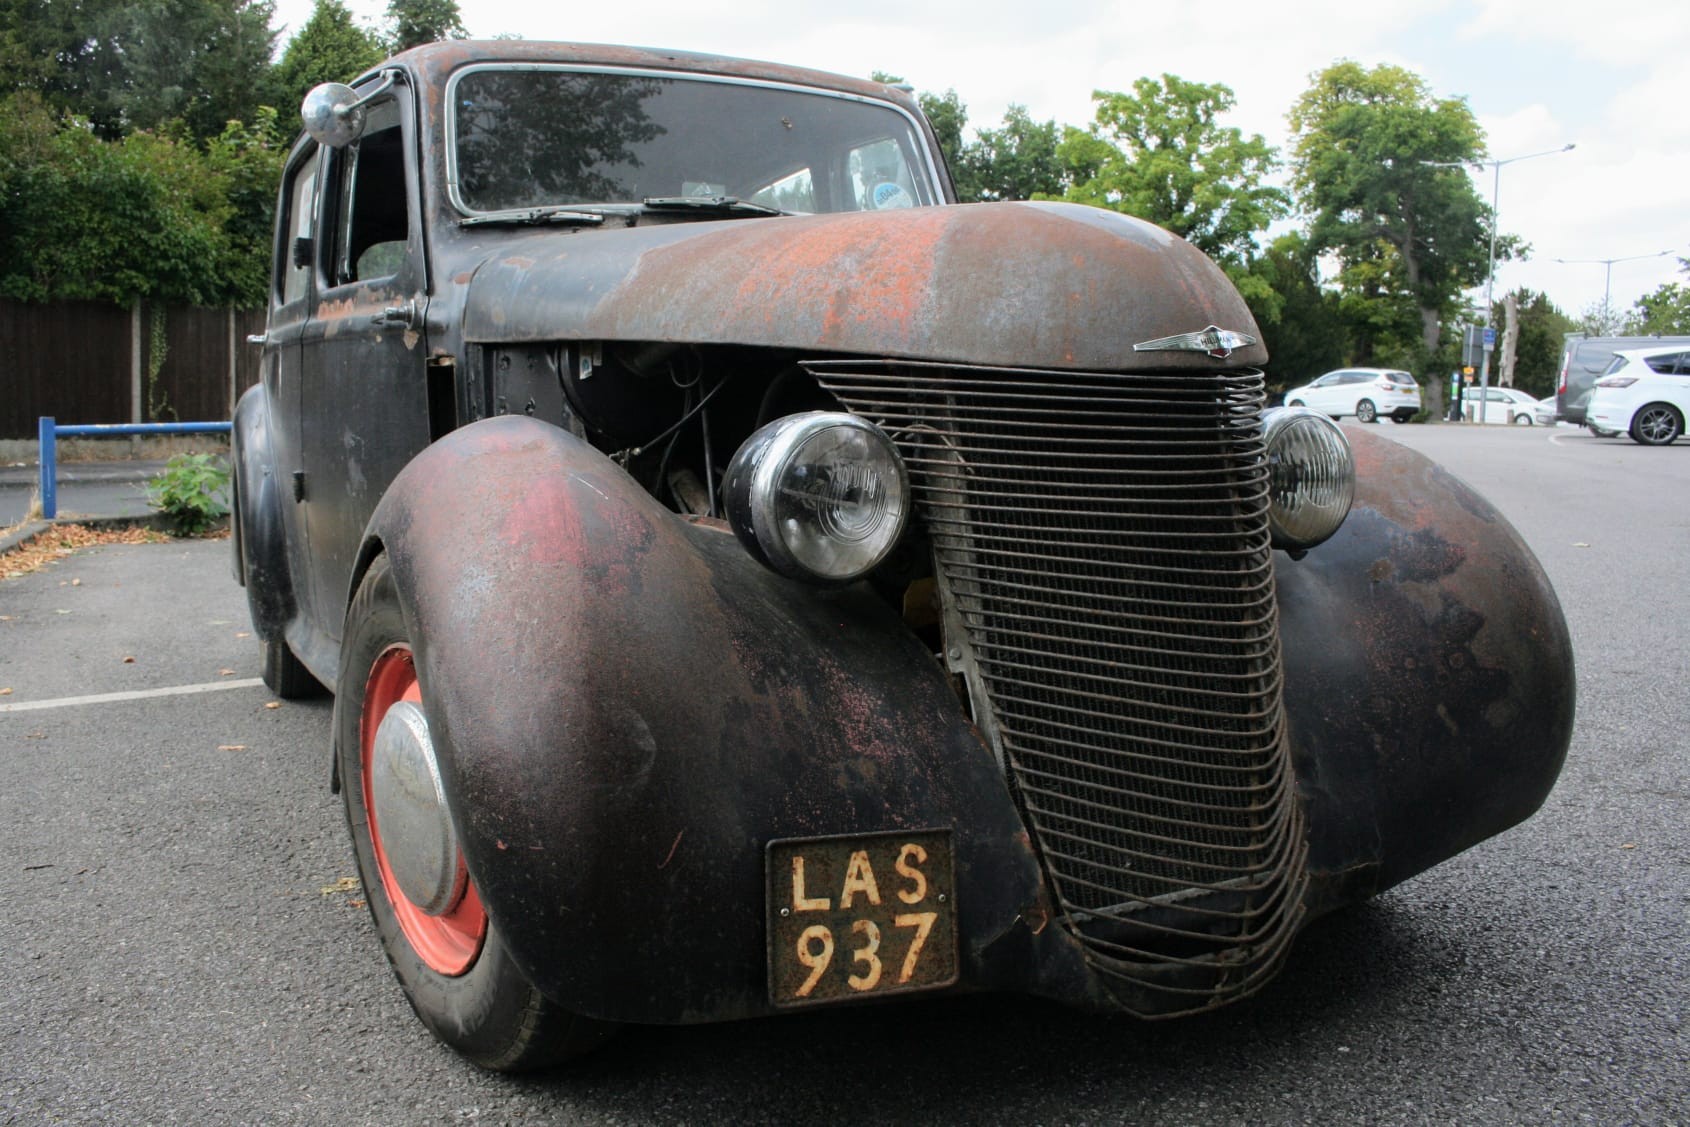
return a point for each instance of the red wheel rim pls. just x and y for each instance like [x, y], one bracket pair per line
[450, 942]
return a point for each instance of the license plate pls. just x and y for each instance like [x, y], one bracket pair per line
[861, 916]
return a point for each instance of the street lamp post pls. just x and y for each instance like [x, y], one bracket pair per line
[1490, 269]
[1608, 276]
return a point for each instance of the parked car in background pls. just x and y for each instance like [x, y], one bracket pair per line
[1584, 360]
[1368, 394]
[1502, 405]
[1644, 393]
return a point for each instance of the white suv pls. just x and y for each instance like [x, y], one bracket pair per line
[1645, 393]
[1366, 393]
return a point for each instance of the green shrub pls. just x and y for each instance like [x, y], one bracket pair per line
[189, 491]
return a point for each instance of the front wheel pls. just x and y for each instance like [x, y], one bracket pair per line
[1522, 420]
[1366, 412]
[1658, 424]
[444, 948]
[1296, 403]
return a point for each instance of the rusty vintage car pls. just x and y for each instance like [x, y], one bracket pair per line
[750, 580]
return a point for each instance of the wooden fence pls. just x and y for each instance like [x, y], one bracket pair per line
[85, 362]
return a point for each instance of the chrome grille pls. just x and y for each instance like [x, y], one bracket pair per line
[1103, 540]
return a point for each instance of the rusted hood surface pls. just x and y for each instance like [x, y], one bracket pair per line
[1016, 284]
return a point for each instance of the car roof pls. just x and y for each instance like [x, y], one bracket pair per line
[1658, 350]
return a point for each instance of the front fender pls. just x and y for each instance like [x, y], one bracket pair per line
[1429, 678]
[628, 708]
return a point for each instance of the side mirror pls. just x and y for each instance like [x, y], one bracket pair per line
[333, 115]
[334, 112]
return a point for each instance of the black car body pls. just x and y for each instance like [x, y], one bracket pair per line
[1081, 733]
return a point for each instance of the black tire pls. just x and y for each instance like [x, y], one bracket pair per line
[1657, 424]
[284, 674]
[1522, 419]
[489, 1012]
[1366, 412]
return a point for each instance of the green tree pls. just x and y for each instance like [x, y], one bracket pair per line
[416, 22]
[123, 65]
[1666, 311]
[86, 219]
[1016, 162]
[329, 48]
[1160, 153]
[1300, 320]
[1409, 237]
[949, 117]
[202, 62]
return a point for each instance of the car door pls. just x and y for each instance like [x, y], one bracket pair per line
[1324, 394]
[363, 392]
[292, 292]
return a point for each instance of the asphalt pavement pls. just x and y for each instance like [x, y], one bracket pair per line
[180, 941]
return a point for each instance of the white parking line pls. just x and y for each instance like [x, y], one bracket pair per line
[138, 694]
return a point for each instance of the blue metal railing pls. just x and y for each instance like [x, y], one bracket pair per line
[50, 432]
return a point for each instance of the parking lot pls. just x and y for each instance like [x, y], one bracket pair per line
[183, 942]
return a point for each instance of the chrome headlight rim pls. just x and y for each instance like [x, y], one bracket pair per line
[1301, 521]
[753, 481]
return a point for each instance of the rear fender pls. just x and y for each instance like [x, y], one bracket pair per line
[259, 540]
[628, 708]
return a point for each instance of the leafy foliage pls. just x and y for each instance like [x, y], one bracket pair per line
[1015, 162]
[329, 48]
[424, 21]
[1160, 153]
[147, 216]
[190, 492]
[1409, 236]
[1666, 311]
[124, 66]
[1302, 323]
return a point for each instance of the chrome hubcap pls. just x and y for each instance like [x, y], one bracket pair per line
[410, 809]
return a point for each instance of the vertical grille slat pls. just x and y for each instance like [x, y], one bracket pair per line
[1103, 538]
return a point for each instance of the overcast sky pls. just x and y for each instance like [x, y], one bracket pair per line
[1606, 75]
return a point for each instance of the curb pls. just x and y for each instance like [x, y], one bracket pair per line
[23, 534]
[30, 529]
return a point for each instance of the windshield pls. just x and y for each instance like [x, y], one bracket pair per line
[537, 136]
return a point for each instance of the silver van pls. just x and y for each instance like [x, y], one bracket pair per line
[1583, 360]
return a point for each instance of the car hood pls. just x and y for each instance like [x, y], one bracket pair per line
[1012, 284]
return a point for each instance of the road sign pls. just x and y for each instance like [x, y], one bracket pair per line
[1490, 338]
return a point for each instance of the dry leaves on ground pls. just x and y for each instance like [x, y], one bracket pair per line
[64, 539]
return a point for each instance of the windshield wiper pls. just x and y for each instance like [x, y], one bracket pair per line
[724, 205]
[535, 216]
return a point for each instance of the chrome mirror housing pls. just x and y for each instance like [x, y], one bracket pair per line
[334, 112]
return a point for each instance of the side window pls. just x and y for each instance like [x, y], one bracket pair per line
[880, 177]
[371, 219]
[293, 260]
[1678, 363]
[1328, 381]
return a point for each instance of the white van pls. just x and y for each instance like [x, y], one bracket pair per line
[1583, 360]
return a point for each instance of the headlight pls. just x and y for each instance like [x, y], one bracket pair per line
[1311, 477]
[821, 496]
